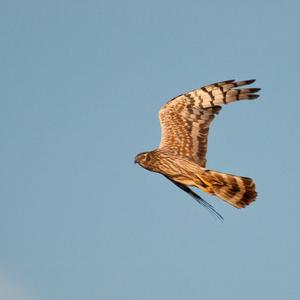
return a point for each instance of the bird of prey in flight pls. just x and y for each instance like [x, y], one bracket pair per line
[181, 155]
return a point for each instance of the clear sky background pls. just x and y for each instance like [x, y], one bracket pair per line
[81, 86]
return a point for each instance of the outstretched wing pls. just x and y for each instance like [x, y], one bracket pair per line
[186, 118]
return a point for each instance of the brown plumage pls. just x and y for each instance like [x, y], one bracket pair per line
[181, 155]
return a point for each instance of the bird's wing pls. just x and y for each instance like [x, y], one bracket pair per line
[185, 119]
[195, 196]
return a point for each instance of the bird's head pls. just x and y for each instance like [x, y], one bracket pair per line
[142, 159]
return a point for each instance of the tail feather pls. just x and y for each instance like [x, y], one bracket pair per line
[235, 190]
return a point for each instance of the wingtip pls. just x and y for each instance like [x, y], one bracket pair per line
[250, 81]
[253, 96]
[256, 90]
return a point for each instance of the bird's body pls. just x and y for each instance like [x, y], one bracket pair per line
[179, 169]
[181, 155]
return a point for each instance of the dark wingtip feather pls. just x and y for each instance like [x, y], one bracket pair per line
[208, 206]
[195, 196]
[250, 81]
[253, 90]
[252, 96]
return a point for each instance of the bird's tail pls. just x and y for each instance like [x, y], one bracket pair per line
[235, 190]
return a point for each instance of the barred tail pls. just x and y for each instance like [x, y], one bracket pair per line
[235, 190]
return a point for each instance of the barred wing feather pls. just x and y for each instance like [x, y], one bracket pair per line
[185, 119]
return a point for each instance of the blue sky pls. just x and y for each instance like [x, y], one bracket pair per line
[82, 83]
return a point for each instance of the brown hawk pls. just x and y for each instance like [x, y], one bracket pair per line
[181, 154]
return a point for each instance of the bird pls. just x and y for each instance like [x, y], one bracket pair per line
[181, 154]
